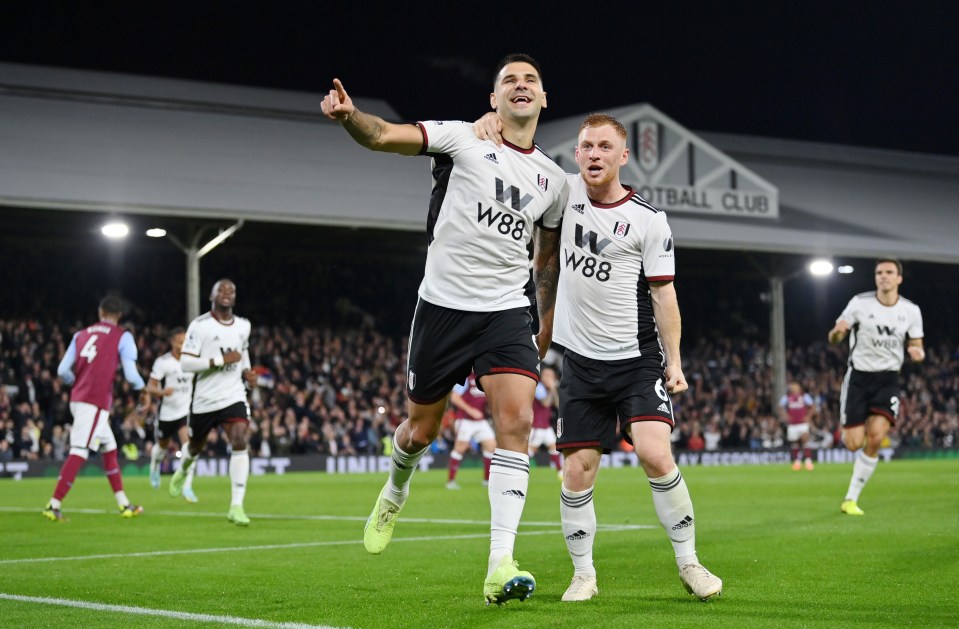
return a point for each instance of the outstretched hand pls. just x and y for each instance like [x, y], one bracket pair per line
[337, 105]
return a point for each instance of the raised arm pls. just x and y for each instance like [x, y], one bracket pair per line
[368, 130]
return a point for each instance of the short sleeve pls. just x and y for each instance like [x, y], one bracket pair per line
[851, 313]
[446, 136]
[192, 343]
[157, 372]
[552, 218]
[915, 329]
[128, 348]
[659, 262]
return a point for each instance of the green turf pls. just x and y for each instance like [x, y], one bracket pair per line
[787, 556]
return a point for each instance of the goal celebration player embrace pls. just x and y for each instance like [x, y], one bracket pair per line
[487, 205]
[618, 258]
[618, 318]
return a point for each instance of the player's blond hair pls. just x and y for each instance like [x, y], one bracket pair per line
[599, 120]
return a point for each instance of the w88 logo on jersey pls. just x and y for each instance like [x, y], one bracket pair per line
[588, 265]
[504, 222]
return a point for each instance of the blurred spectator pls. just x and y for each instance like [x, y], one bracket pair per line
[6, 452]
[339, 391]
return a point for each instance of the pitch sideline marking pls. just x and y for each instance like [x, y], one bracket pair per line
[146, 611]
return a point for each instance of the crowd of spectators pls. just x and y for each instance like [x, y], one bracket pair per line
[342, 391]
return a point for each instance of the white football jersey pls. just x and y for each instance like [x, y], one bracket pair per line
[878, 333]
[482, 210]
[207, 338]
[608, 255]
[167, 371]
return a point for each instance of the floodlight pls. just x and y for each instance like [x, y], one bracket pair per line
[156, 232]
[820, 267]
[115, 230]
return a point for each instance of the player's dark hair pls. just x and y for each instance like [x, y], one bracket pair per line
[891, 261]
[216, 285]
[111, 304]
[174, 331]
[516, 57]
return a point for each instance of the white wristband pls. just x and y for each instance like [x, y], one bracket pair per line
[218, 361]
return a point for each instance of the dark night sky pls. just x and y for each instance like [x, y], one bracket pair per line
[881, 74]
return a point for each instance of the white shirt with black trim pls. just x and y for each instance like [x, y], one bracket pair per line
[167, 371]
[608, 255]
[208, 338]
[484, 203]
[877, 334]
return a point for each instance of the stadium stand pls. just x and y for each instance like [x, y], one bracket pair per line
[341, 391]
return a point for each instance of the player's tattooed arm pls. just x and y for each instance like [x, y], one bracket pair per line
[368, 130]
[546, 278]
[365, 129]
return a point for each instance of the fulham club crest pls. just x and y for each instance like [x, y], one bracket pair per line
[542, 182]
[621, 229]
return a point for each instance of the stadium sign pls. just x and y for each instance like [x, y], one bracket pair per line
[675, 170]
[378, 464]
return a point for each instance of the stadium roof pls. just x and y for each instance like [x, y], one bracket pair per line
[111, 143]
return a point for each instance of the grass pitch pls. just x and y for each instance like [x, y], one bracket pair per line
[776, 537]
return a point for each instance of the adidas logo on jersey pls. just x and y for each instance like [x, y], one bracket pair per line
[663, 408]
[515, 493]
[684, 523]
[579, 207]
[580, 534]
[492, 157]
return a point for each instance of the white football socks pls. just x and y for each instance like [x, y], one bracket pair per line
[402, 466]
[675, 511]
[578, 516]
[862, 471]
[157, 454]
[508, 486]
[239, 473]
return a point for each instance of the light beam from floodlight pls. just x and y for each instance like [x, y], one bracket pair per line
[844, 269]
[156, 232]
[115, 230]
[820, 267]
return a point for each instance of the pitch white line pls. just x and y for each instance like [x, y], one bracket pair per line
[145, 611]
[233, 549]
[282, 516]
